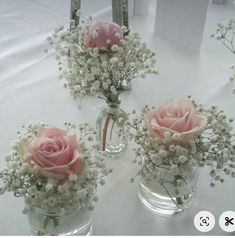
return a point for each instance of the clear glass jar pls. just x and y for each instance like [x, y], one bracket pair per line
[171, 193]
[110, 127]
[76, 221]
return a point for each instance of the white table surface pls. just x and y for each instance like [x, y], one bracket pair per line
[30, 90]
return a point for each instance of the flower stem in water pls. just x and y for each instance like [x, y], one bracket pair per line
[111, 131]
[178, 199]
[55, 221]
[106, 124]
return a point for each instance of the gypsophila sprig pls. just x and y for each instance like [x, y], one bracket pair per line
[54, 168]
[101, 57]
[226, 34]
[182, 135]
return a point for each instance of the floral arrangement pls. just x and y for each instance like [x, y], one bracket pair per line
[53, 168]
[179, 136]
[102, 57]
[225, 34]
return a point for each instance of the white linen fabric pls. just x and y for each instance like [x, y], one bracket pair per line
[30, 90]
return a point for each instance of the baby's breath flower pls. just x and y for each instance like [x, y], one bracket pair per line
[43, 189]
[168, 158]
[93, 70]
[225, 34]
[163, 153]
[49, 187]
[73, 177]
[113, 60]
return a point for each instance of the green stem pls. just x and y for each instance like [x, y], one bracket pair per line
[111, 131]
[46, 221]
[177, 199]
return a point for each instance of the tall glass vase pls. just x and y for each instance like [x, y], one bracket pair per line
[45, 221]
[110, 127]
[169, 193]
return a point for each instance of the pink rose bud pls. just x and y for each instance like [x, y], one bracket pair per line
[103, 35]
[178, 117]
[55, 153]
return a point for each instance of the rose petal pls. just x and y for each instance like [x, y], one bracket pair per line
[51, 132]
[51, 159]
[61, 157]
[158, 130]
[176, 116]
[40, 159]
[55, 153]
[172, 110]
[98, 34]
[179, 123]
[191, 121]
[75, 166]
[195, 132]
[73, 142]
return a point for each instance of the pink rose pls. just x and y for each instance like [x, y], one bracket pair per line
[177, 117]
[55, 153]
[103, 35]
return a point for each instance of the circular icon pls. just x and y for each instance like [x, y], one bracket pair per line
[204, 221]
[227, 221]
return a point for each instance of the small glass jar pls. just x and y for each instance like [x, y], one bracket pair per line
[75, 221]
[169, 193]
[110, 127]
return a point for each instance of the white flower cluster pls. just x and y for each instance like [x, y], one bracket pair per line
[226, 35]
[105, 74]
[214, 148]
[51, 193]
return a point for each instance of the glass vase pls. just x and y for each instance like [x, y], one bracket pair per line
[110, 127]
[75, 221]
[169, 193]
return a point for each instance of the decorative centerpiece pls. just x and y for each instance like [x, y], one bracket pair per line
[103, 57]
[226, 34]
[57, 174]
[173, 142]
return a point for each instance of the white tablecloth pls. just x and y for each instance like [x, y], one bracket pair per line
[30, 90]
